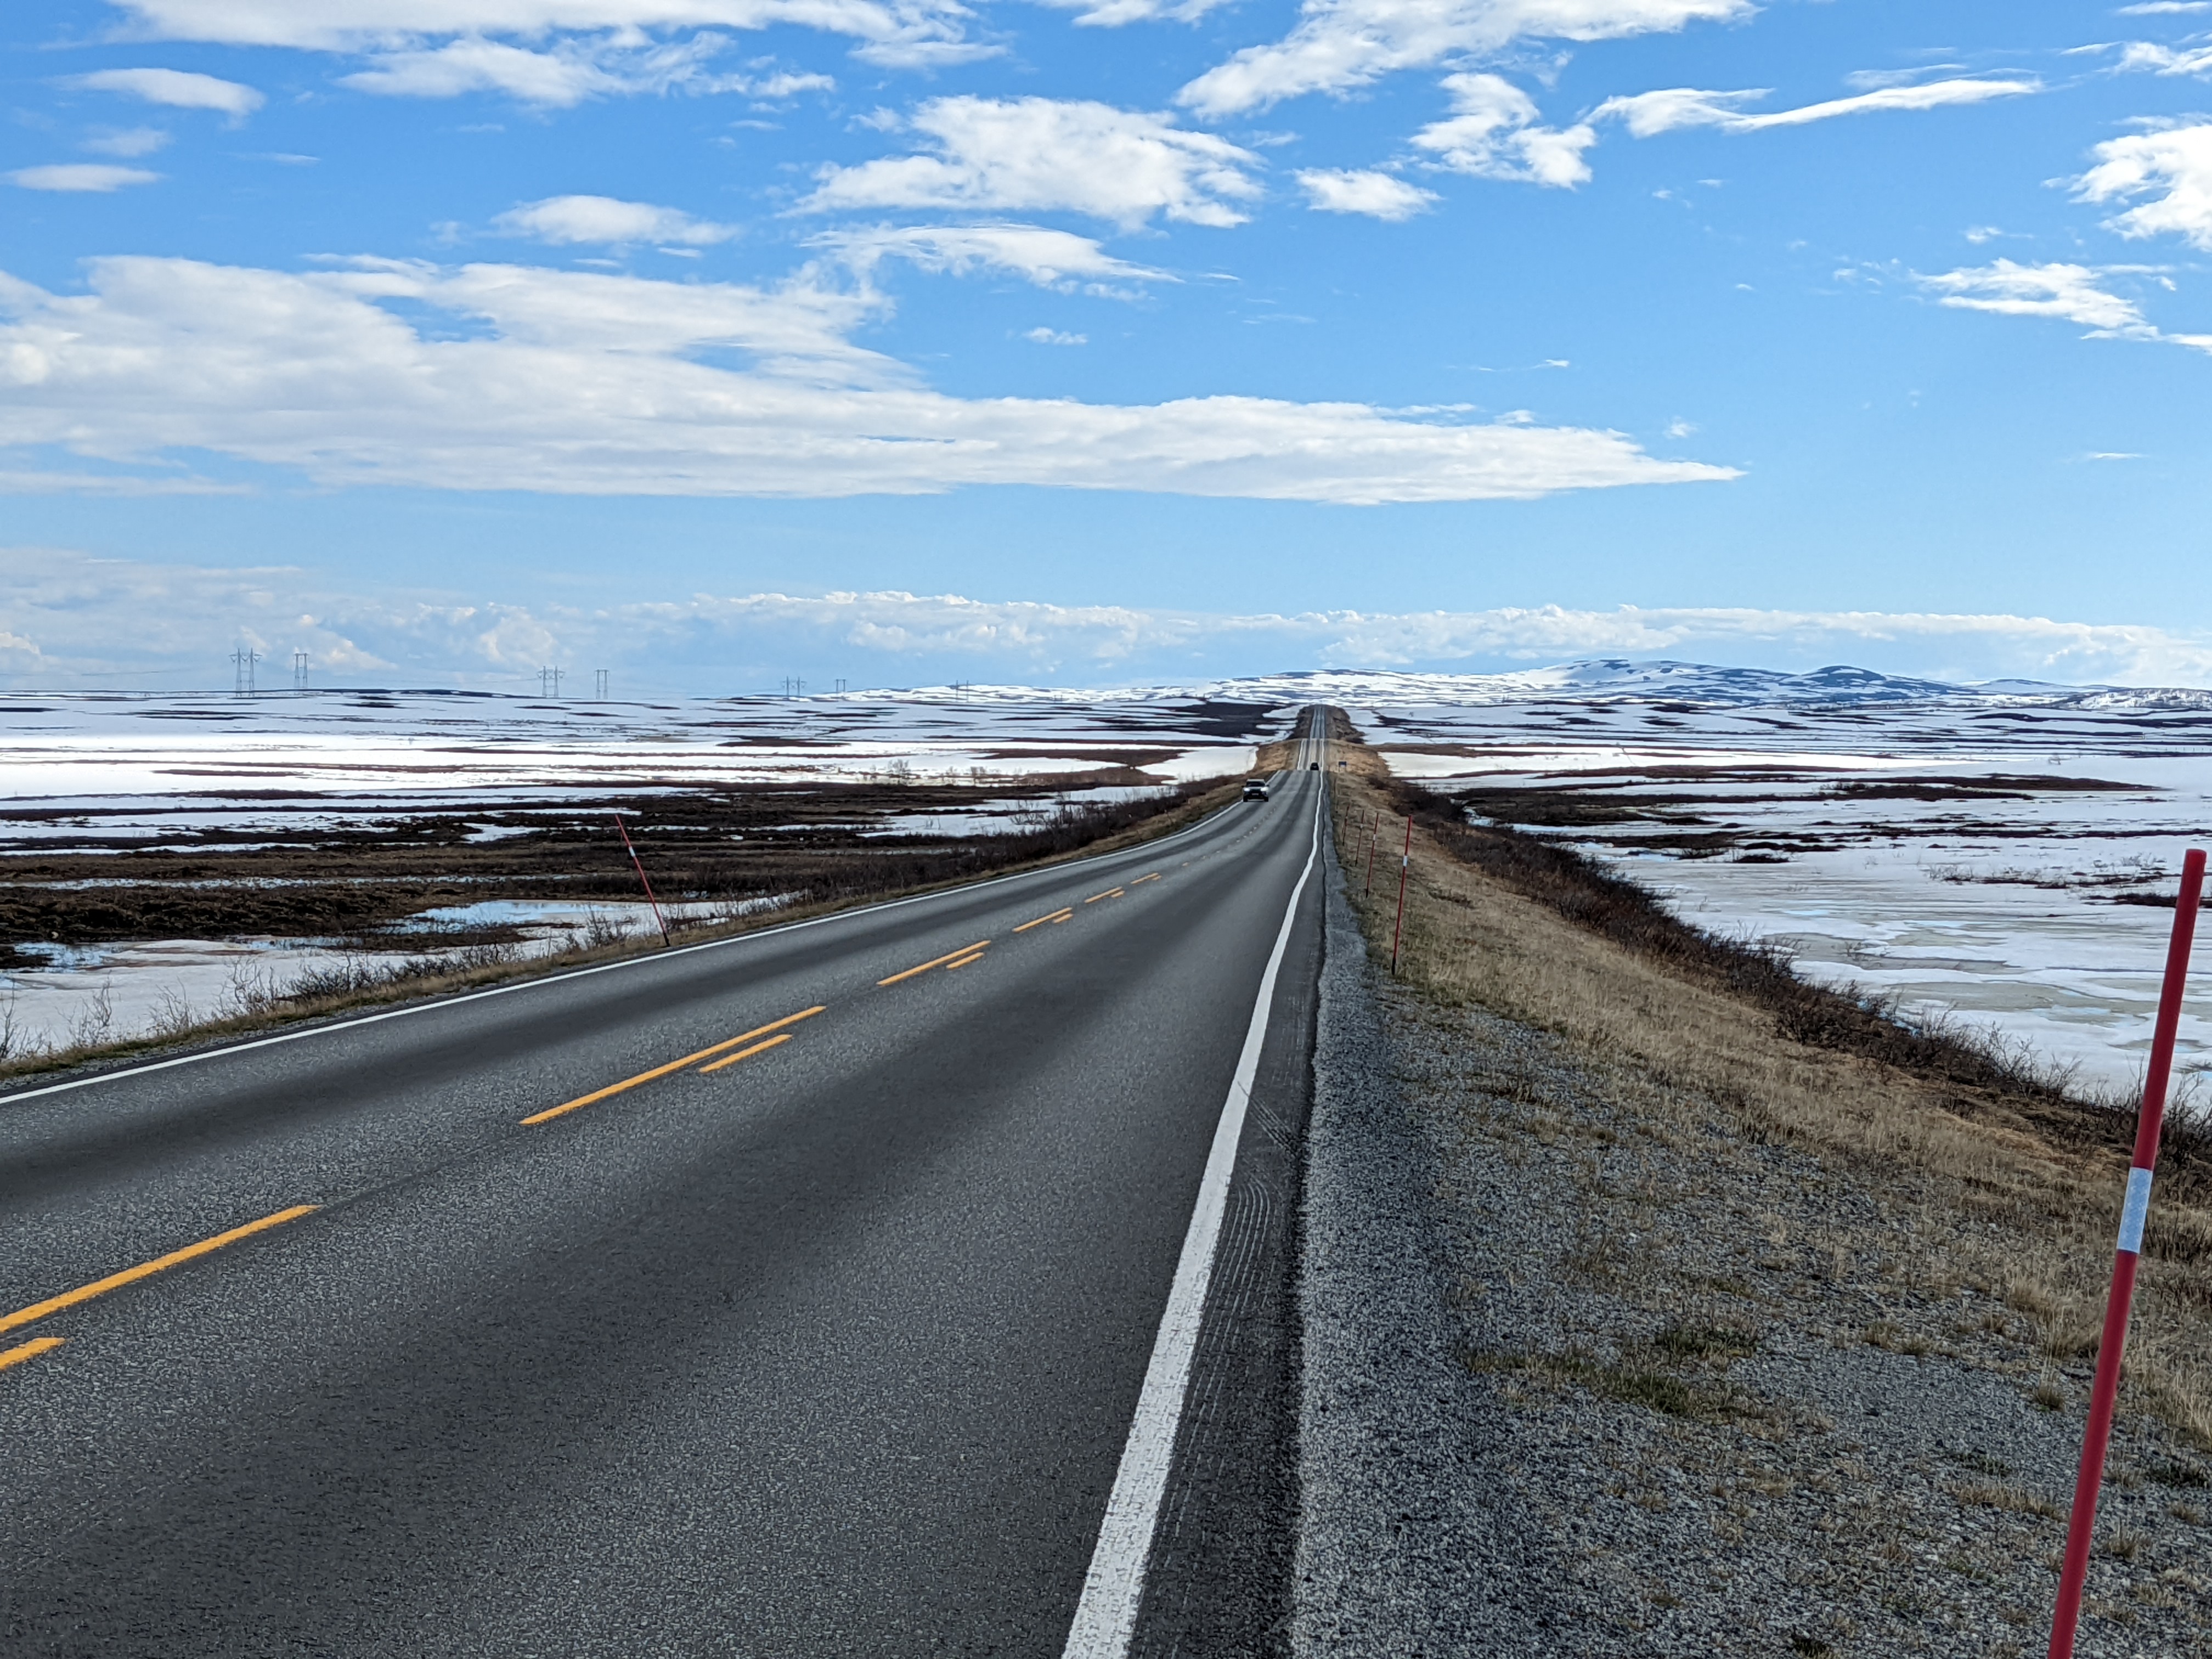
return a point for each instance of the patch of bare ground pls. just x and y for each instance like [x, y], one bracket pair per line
[1788, 1314]
[376, 976]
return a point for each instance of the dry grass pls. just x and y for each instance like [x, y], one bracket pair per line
[2014, 1187]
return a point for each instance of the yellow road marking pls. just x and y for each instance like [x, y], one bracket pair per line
[1116, 893]
[744, 1054]
[964, 961]
[1057, 915]
[1141, 880]
[950, 956]
[662, 1071]
[30, 1350]
[54, 1305]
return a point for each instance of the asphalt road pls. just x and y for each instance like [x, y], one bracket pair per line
[835, 1348]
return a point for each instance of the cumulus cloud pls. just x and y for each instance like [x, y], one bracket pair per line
[1049, 258]
[1340, 45]
[604, 219]
[177, 88]
[1377, 195]
[1646, 114]
[2069, 292]
[570, 382]
[2172, 167]
[1042, 336]
[1039, 154]
[578, 48]
[80, 178]
[1495, 134]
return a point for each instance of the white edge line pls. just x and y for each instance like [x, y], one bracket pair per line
[9, 1097]
[1106, 1617]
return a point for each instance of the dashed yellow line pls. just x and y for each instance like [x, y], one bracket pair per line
[964, 961]
[950, 956]
[54, 1305]
[552, 1112]
[1141, 880]
[31, 1350]
[1056, 916]
[744, 1054]
[1116, 893]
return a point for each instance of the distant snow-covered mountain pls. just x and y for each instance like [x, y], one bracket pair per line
[1616, 680]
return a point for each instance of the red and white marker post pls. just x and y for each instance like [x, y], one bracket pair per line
[1374, 837]
[640, 865]
[1405, 864]
[2103, 1396]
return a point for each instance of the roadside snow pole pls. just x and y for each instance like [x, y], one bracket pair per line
[1374, 836]
[640, 866]
[1405, 864]
[2102, 1397]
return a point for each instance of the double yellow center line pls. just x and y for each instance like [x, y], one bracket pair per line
[83, 1293]
[597, 1094]
[960, 958]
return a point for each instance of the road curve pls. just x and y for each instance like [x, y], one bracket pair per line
[793, 1295]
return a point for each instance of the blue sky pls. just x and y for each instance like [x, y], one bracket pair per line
[712, 341]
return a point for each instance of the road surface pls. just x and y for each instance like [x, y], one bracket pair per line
[810, 1293]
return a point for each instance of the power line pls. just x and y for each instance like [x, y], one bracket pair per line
[241, 663]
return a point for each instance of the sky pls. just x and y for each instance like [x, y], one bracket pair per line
[715, 343]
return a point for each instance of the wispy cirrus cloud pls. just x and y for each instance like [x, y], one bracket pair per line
[1647, 114]
[573, 383]
[2067, 293]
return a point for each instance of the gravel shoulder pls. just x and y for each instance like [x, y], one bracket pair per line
[1596, 1363]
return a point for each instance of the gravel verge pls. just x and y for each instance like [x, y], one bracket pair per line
[1592, 1370]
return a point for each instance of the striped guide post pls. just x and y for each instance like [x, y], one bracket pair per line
[640, 864]
[1405, 864]
[2106, 1392]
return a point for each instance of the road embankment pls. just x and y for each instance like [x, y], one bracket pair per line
[1636, 1325]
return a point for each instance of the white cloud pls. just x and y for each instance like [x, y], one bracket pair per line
[2165, 8]
[596, 47]
[1042, 336]
[2172, 167]
[1648, 113]
[603, 219]
[1049, 258]
[179, 89]
[1339, 45]
[63, 612]
[573, 383]
[2069, 292]
[564, 74]
[1033, 155]
[1114, 14]
[1377, 195]
[2145, 57]
[130, 142]
[1494, 135]
[80, 177]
